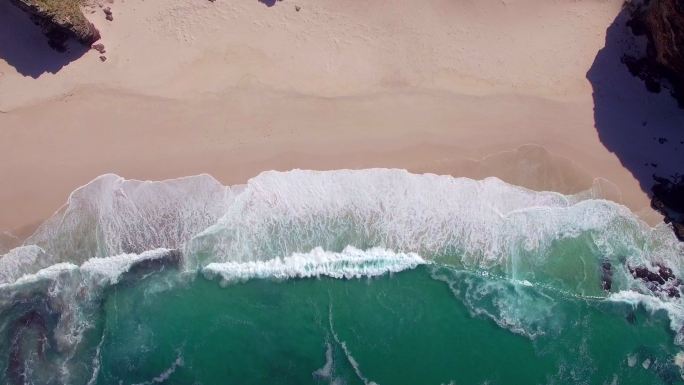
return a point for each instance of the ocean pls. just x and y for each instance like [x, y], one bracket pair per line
[341, 277]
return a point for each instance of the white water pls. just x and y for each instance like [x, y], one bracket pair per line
[103, 271]
[326, 371]
[484, 222]
[111, 216]
[23, 261]
[513, 305]
[111, 268]
[278, 214]
[348, 264]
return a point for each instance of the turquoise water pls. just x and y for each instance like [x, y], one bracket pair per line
[408, 328]
[367, 277]
[402, 329]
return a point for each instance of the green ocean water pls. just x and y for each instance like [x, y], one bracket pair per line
[407, 328]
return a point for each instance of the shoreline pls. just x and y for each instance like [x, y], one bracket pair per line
[437, 134]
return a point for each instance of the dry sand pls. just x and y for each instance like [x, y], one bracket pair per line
[235, 87]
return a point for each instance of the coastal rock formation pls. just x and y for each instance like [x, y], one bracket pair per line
[662, 23]
[662, 281]
[60, 20]
[668, 199]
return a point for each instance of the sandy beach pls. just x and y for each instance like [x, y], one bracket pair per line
[233, 88]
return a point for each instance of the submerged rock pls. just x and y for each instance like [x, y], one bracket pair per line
[606, 275]
[60, 20]
[662, 23]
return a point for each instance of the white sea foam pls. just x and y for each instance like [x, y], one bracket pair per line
[485, 222]
[104, 271]
[326, 371]
[111, 216]
[514, 305]
[111, 268]
[350, 263]
[50, 273]
[22, 261]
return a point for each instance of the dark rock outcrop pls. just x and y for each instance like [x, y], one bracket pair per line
[59, 23]
[662, 23]
[661, 281]
[668, 199]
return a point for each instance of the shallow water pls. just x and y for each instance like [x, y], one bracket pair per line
[346, 277]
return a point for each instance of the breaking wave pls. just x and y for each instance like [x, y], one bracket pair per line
[348, 264]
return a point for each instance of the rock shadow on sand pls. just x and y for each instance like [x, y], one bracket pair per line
[24, 47]
[644, 129]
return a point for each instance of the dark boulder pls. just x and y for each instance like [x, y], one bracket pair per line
[660, 279]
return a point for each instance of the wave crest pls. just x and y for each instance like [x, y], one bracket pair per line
[348, 264]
